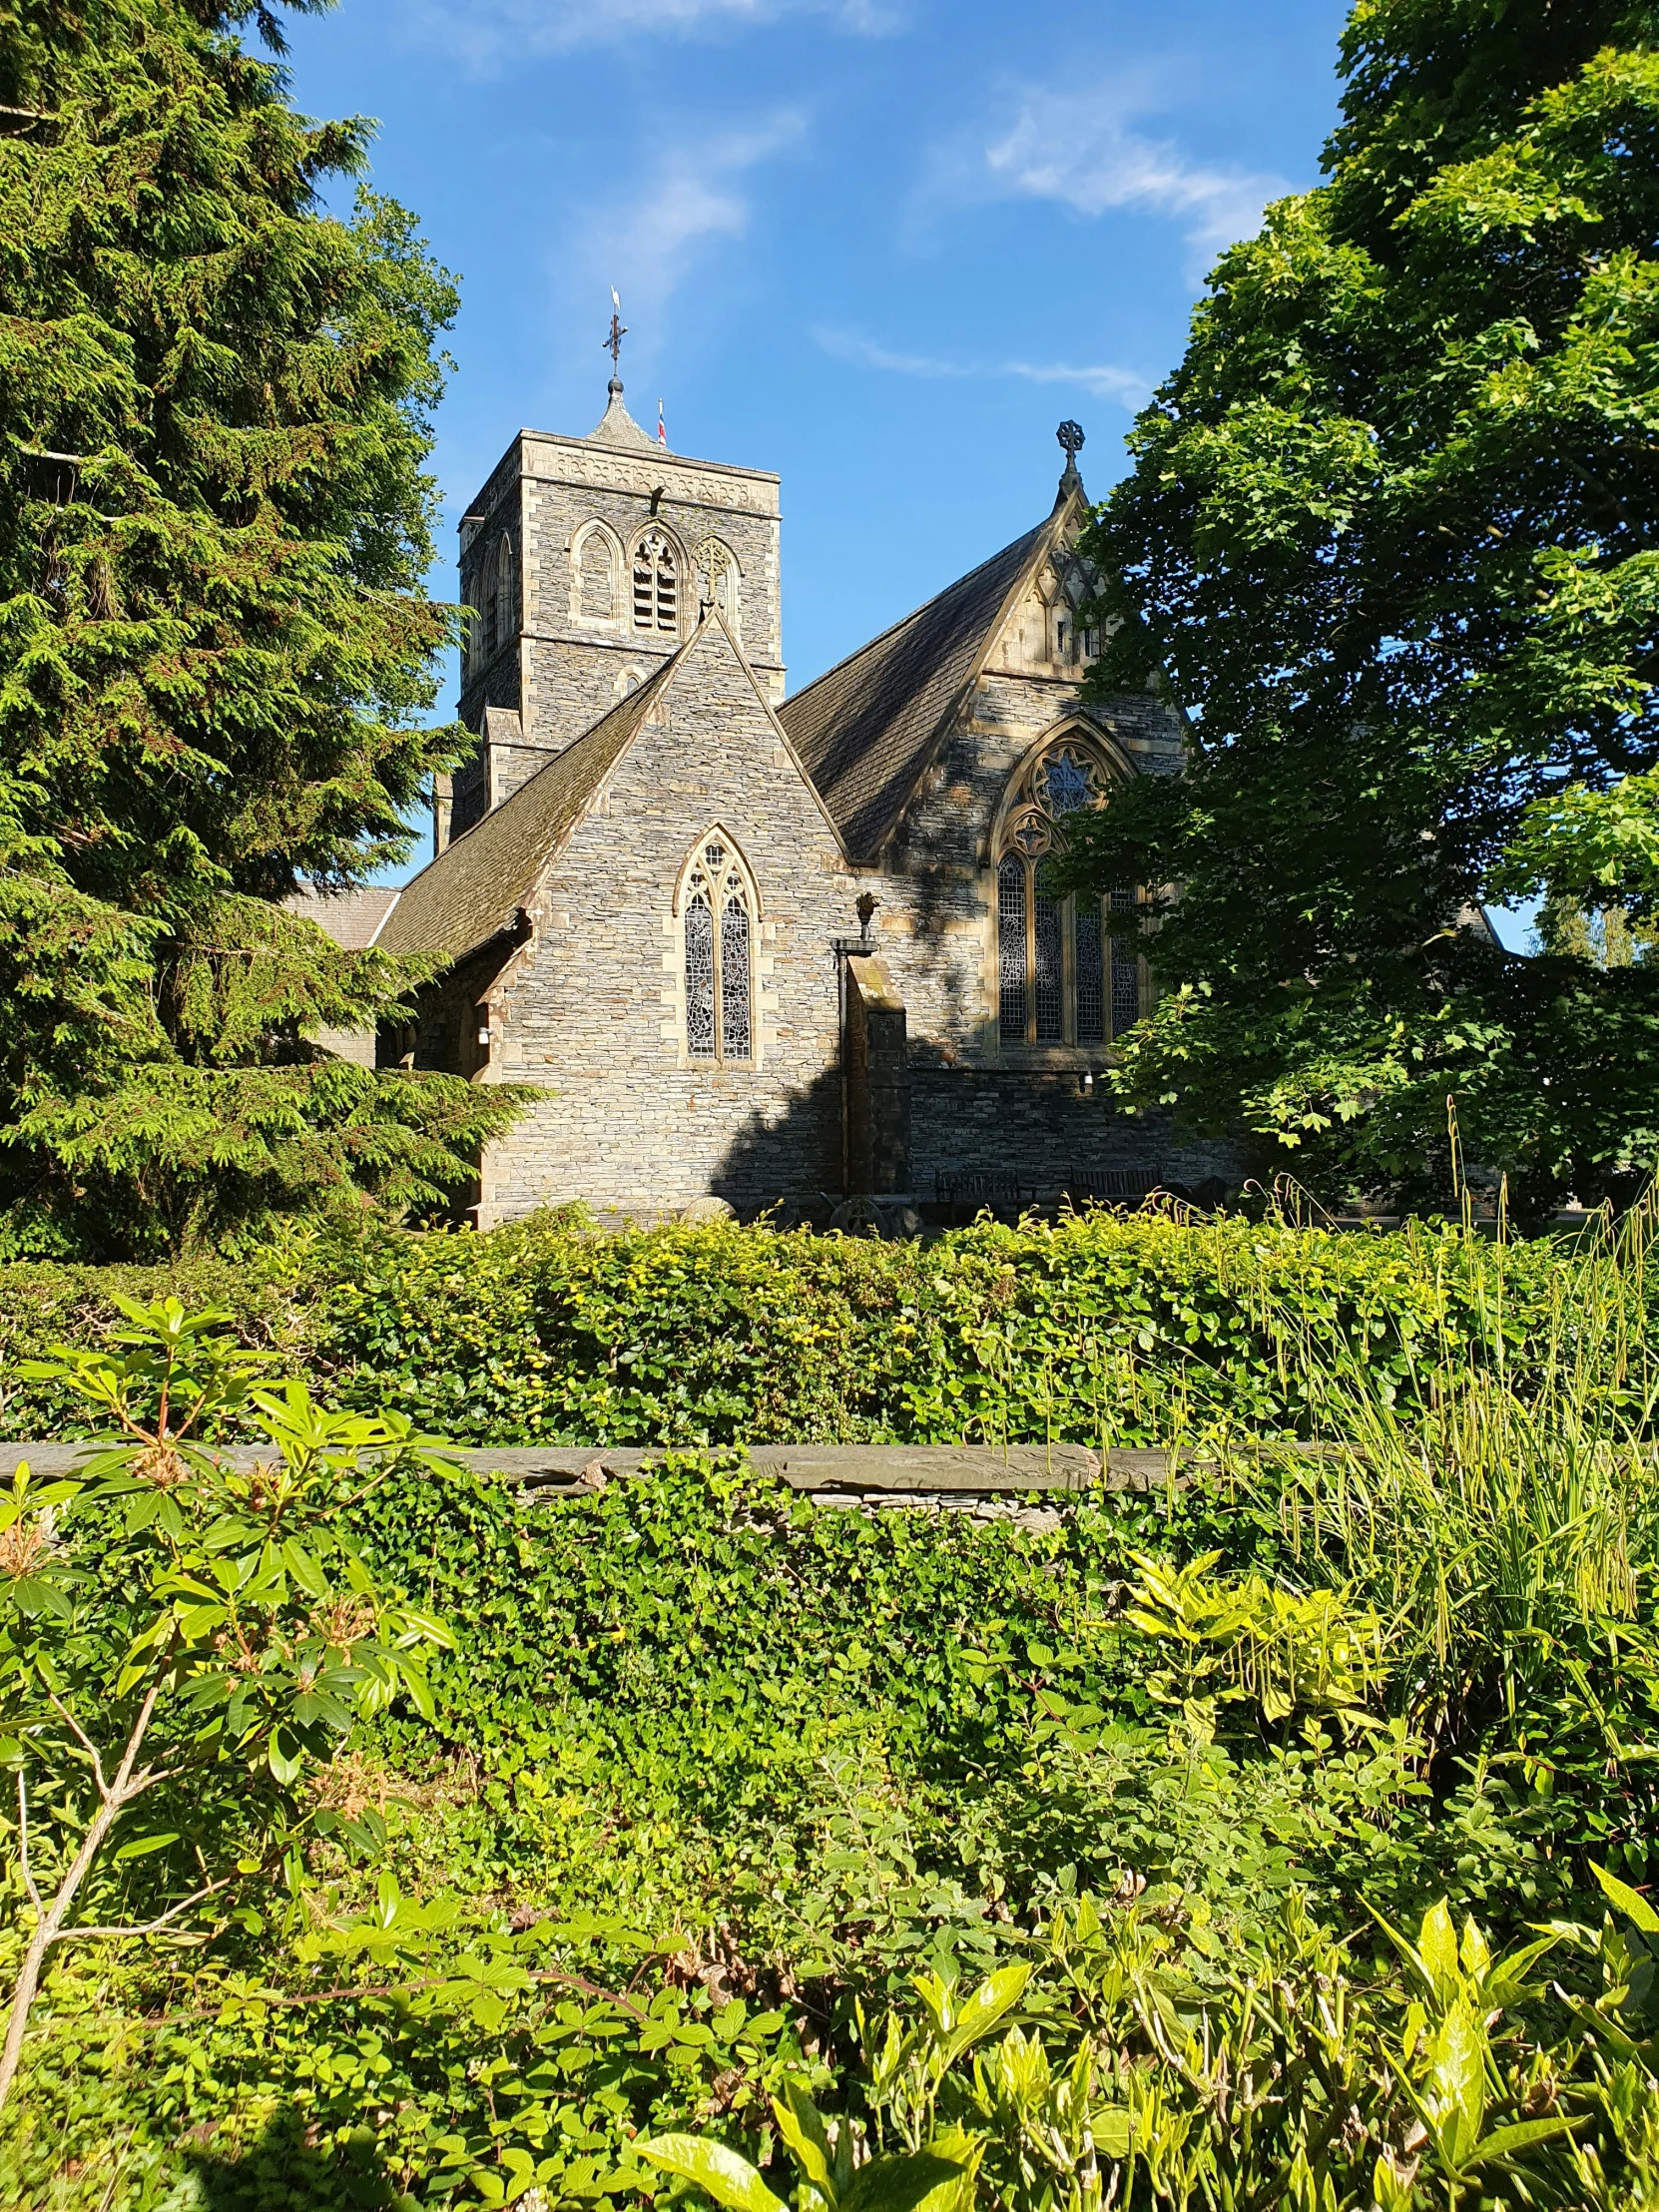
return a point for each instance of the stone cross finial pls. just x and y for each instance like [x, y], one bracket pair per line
[1070, 435]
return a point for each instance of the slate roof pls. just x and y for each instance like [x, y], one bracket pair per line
[476, 886]
[353, 918]
[864, 730]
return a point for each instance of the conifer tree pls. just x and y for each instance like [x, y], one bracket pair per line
[1392, 537]
[214, 644]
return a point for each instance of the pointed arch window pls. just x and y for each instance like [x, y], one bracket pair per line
[1062, 978]
[718, 918]
[656, 584]
[595, 576]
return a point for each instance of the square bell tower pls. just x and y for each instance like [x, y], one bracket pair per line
[585, 563]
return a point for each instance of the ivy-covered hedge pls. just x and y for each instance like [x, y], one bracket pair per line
[1103, 1328]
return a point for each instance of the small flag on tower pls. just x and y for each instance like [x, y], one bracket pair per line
[662, 431]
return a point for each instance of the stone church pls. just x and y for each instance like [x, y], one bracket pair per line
[783, 949]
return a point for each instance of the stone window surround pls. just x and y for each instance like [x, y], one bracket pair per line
[760, 967]
[1116, 766]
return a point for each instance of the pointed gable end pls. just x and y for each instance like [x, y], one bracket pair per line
[867, 728]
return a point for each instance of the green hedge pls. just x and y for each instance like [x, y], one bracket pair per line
[1099, 1329]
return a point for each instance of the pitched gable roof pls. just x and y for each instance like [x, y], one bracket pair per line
[867, 728]
[476, 885]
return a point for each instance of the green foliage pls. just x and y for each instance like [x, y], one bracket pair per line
[183, 1637]
[1201, 1847]
[1098, 1329]
[215, 520]
[1389, 537]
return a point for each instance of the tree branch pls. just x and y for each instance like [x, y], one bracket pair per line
[23, 1841]
[87, 1743]
[147, 1928]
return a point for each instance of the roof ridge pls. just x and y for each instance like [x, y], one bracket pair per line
[903, 621]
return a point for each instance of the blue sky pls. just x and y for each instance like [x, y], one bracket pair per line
[882, 246]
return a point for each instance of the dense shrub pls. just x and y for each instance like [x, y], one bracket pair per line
[1098, 1329]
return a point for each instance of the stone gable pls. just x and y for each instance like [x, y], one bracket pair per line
[592, 1006]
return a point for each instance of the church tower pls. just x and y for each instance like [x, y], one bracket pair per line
[586, 563]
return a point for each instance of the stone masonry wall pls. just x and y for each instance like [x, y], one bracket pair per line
[592, 1007]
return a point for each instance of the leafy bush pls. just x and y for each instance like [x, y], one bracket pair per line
[1100, 1329]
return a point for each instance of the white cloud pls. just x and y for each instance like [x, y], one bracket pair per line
[691, 194]
[487, 33]
[1080, 149]
[1105, 380]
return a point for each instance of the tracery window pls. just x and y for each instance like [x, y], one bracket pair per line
[717, 914]
[655, 584]
[1062, 978]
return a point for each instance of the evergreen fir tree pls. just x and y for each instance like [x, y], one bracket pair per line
[214, 644]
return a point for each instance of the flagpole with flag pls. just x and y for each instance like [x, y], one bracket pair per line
[661, 430]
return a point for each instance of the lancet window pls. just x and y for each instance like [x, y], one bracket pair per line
[1062, 978]
[717, 911]
[594, 577]
[655, 584]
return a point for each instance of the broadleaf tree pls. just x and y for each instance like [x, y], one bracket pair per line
[216, 646]
[1390, 539]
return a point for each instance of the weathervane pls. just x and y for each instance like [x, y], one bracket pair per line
[613, 345]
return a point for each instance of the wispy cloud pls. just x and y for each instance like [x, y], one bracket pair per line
[691, 192]
[1104, 380]
[485, 33]
[1081, 148]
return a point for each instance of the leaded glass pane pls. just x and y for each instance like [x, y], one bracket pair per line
[1126, 971]
[1049, 982]
[1065, 784]
[700, 974]
[733, 976]
[1010, 926]
[1091, 973]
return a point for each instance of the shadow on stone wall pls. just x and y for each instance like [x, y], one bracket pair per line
[790, 1164]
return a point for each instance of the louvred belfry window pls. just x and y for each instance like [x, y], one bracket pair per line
[656, 585]
[718, 925]
[1062, 979]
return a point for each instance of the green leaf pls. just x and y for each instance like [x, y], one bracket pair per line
[1503, 2142]
[802, 2130]
[921, 2182]
[996, 1996]
[719, 2173]
[142, 1846]
[1629, 1901]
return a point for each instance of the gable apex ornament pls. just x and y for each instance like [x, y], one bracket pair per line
[1070, 435]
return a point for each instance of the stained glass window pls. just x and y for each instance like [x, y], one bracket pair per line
[1010, 915]
[1126, 969]
[720, 1023]
[1090, 975]
[700, 972]
[733, 975]
[1049, 973]
[1060, 977]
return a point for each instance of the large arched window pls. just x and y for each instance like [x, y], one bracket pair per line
[716, 908]
[1062, 979]
[656, 584]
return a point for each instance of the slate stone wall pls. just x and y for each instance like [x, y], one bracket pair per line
[593, 1006]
